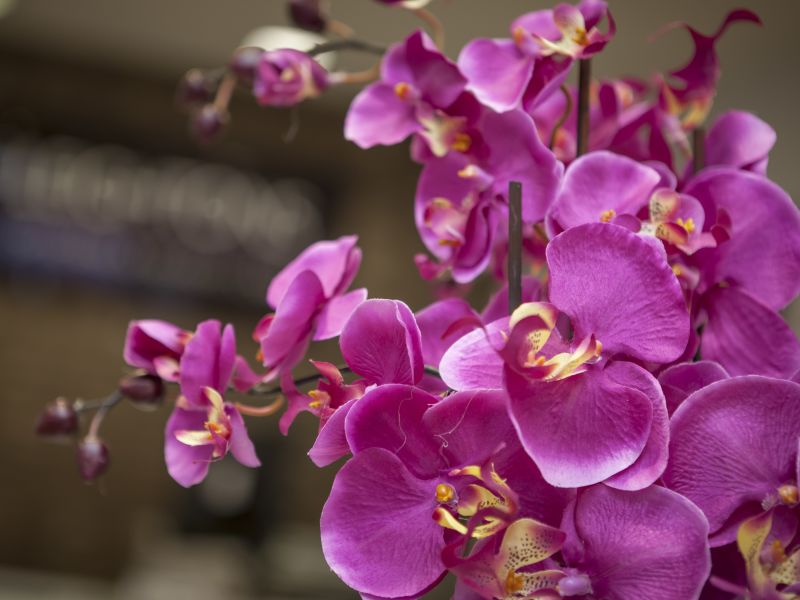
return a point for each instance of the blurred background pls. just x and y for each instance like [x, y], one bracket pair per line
[109, 212]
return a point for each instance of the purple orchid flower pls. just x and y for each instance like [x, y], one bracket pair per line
[505, 74]
[740, 140]
[733, 452]
[582, 416]
[287, 77]
[681, 380]
[203, 427]
[461, 199]
[748, 277]
[629, 545]
[417, 457]
[311, 301]
[155, 346]
[418, 86]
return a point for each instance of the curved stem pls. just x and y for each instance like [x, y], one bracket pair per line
[343, 30]
[260, 411]
[348, 44]
[364, 76]
[225, 92]
[433, 23]
[564, 116]
[102, 411]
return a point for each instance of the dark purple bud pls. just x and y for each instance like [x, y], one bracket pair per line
[58, 418]
[92, 458]
[147, 388]
[194, 89]
[308, 15]
[245, 61]
[207, 123]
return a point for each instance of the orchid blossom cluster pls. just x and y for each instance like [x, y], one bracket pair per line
[619, 422]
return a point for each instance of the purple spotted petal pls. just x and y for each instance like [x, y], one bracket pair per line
[241, 446]
[441, 324]
[602, 181]
[390, 417]
[188, 465]
[746, 337]
[739, 139]
[653, 459]
[207, 361]
[331, 443]
[377, 530]
[378, 116]
[763, 252]
[580, 430]
[381, 342]
[336, 312]
[497, 71]
[334, 262]
[734, 443]
[290, 331]
[681, 380]
[617, 286]
[635, 545]
[149, 339]
[472, 362]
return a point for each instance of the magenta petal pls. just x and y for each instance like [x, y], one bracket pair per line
[681, 380]
[441, 324]
[497, 72]
[636, 545]
[473, 257]
[290, 330]
[188, 465]
[377, 530]
[390, 417]
[738, 139]
[746, 337]
[336, 312]
[617, 286]
[653, 459]
[241, 446]
[148, 339]
[763, 252]
[377, 116]
[381, 342]
[734, 442]
[334, 262]
[580, 430]
[331, 443]
[207, 361]
[602, 181]
[472, 362]
[497, 307]
[470, 426]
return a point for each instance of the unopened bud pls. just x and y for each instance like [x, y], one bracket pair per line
[58, 418]
[207, 123]
[245, 61]
[92, 458]
[308, 15]
[146, 388]
[194, 89]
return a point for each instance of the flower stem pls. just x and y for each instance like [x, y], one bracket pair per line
[584, 85]
[563, 118]
[348, 44]
[698, 149]
[105, 408]
[434, 24]
[514, 245]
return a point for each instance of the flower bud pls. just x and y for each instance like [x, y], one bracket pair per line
[207, 123]
[245, 61]
[308, 15]
[287, 77]
[194, 89]
[146, 388]
[92, 458]
[58, 418]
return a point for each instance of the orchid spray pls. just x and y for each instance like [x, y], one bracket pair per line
[624, 414]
